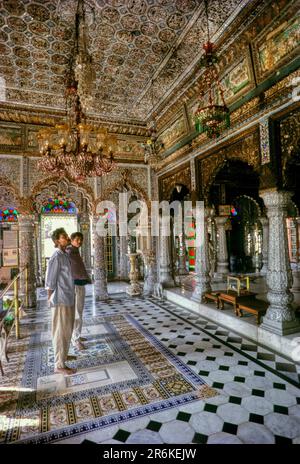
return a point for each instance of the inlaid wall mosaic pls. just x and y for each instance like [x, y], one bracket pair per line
[11, 168]
[11, 137]
[176, 131]
[277, 44]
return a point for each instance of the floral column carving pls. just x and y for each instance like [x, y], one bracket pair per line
[123, 258]
[296, 266]
[280, 317]
[222, 255]
[100, 277]
[86, 245]
[166, 278]
[26, 256]
[202, 267]
[265, 245]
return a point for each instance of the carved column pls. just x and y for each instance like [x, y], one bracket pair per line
[296, 267]
[182, 255]
[150, 277]
[280, 317]
[123, 258]
[100, 277]
[265, 225]
[26, 255]
[134, 288]
[85, 225]
[37, 252]
[202, 266]
[222, 255]
[166, 278]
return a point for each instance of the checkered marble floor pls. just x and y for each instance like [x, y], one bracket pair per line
[259, 395]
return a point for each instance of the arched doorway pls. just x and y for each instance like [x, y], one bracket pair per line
[60, 203]
[56, 213]
[245, 236]
[234, 195]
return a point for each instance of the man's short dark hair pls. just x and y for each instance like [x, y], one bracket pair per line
[57, 233]
[76, 234]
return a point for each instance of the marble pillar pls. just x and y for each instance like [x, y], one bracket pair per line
[123, 273]
[37, 253]
[26, 256]
[265, 243]
[182, 255]
[202, 266]
[280, 317]
[85, 225]
[134, 289]
[150, 277]
[166, 278]
[222, 254]
[100, 274]
[296, 266]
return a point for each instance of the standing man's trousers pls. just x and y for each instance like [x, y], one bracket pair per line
[62, 328]
[79, 305]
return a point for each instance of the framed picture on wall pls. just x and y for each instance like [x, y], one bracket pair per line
[10, 239]
[10, 257]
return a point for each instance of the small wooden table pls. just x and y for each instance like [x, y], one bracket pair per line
[253, 306]
[233, 298]
[214, 296]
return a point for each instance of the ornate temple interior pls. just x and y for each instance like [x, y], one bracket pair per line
[111, 111]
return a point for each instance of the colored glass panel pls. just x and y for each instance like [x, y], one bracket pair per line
[58, 206]
[8, 215]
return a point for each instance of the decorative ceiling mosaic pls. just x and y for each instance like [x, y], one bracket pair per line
[131, 42]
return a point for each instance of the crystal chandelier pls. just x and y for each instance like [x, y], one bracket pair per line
[152, 147]
[77, 149]
[213, 117]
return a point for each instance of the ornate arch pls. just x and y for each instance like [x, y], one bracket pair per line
[246, 150]
[259, 212]
[119, 186]
[183, 177]
[52, 185]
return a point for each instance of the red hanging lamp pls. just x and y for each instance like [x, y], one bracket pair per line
[213, 117]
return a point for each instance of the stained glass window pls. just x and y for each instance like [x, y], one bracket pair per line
[58, 206]
[8, 215]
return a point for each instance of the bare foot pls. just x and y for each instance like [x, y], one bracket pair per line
[80, 346]
[65, 370]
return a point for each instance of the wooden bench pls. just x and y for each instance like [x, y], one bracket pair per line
[214, 296]
[233, 298]
[253, 306]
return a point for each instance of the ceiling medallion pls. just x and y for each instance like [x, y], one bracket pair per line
[75, 148]
[152, 147]
[213, 116]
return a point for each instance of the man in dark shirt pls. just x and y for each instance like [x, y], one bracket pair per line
[81, 278]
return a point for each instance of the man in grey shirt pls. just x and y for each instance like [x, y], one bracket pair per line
[61, 296]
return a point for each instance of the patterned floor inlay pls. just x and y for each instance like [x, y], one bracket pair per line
[124, 372]
[153, 372]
